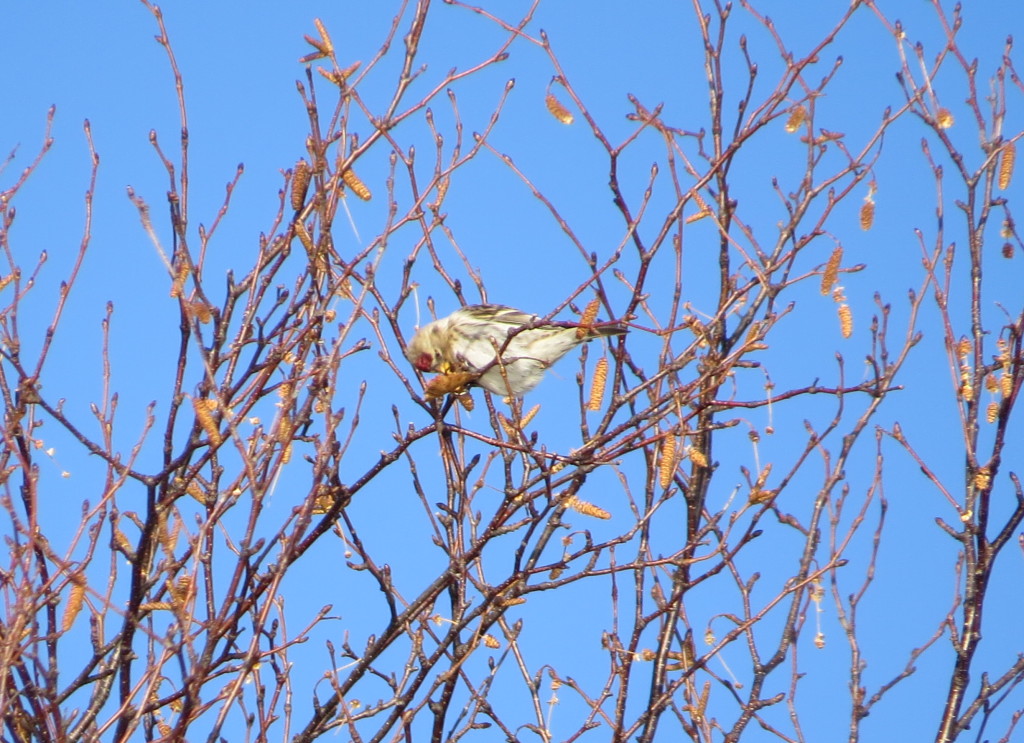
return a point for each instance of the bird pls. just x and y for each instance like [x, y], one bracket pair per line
[470, 339]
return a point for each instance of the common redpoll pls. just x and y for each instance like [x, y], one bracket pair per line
[469, 340]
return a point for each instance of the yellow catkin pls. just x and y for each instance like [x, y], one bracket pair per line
[846, 320]
[196, 492]
[347, 72]
[168, 538]
[180, 276]
[598, 384]
[529, 416]
[1004, 352]
[697, 457]
[122, 541]
[284, 436]
[300, 184]
[156, 606]
[796, 117]
[442, 188]
[506, 425]
[966, 387]
[304, 237]
[454, 383]
[963, 347]
[322, 504]
[1006, 165]
[358, 187]
[180, 590]
[587, 509]
[328, 45]
[204, 414]
[703, 210]
[992, 412]
[5, 280]
[667, 463]
[831, 272]
[1006, 384]
[991, 383]
[557, 110]
[201, 311]
[491, 642]
[588, 317]
[983, 478]
[867, 215]
[74, 603]
[944, 118]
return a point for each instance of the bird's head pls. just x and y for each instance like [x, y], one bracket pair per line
[424, 350]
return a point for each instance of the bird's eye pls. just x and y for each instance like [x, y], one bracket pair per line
[424, 362]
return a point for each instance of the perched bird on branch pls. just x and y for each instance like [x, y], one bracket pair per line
[506, 350]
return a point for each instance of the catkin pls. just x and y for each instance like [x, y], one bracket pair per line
[587, 320]
[328, 45]
[992, 412]
[846, 320]
[445, 384]
[703, 210]
[796, 117]
[347, 72]
[831, 272]
[587, 509]
[506, 426]
[307, 242]
[74, 603]
[667, 463]
[181, 275]
[944, 118]
[358, 187]
[557, 110]
[1006, 165]
[598, 384]
[529, 416]
[196, 492]
[201, 311]
[300, 184]
[204, 414]
[867, 215]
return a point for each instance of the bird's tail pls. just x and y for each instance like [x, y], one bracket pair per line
[603, 329]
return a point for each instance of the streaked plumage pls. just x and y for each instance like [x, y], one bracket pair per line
[467, 341]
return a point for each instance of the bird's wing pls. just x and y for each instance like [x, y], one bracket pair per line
[478, 329]
[494, 313]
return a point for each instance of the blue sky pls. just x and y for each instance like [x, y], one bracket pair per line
[239, 63]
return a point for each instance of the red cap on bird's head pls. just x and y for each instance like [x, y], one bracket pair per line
[423, 362]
